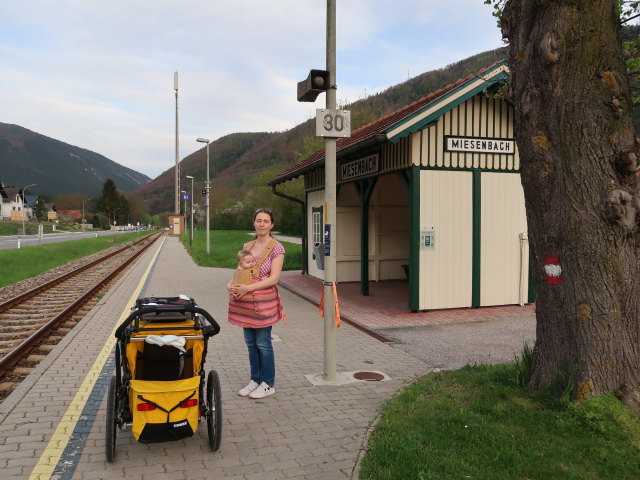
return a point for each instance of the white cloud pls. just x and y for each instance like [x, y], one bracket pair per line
[99, 75]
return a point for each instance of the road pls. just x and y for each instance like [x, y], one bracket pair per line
[12, 241]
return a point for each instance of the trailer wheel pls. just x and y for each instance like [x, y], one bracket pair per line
[214, 410]
[110, 440]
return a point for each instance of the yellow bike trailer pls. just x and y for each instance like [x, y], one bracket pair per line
[159, 383]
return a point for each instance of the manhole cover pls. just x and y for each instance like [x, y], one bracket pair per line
[368, 376]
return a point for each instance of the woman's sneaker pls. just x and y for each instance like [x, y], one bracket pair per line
[248, 389]
[262, 391]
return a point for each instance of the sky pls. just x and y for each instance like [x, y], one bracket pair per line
[100, 74]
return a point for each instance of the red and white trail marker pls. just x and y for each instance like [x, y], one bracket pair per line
[553, 270]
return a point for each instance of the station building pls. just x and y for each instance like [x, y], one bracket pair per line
[429, 195]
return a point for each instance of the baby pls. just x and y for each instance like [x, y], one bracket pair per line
[244, 274]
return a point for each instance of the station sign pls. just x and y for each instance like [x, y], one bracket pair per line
[480, 145]
[360, 167]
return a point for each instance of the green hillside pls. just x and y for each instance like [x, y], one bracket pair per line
[56, 167]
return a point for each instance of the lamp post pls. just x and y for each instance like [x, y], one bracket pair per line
[116, 209]
[207, 187]
[83, 219]
[191, 236]
[24, 212]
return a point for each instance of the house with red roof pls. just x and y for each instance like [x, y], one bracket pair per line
[431, 195]
[69, 215]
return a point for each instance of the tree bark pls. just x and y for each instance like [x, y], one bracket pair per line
[580, 176]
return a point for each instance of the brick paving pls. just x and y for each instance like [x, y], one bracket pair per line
[304, 431]
[386, 306]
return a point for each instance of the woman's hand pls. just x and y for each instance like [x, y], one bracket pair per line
[237, 291]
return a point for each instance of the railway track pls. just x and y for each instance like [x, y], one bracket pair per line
[32, 323]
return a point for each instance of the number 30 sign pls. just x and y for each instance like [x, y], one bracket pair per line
[333, 123]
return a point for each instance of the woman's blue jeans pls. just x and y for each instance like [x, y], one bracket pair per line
[261, 358]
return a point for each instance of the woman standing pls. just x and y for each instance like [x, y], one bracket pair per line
[256, 307]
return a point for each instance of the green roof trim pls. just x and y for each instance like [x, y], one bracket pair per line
[447, 103]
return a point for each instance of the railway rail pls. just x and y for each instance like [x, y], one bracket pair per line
[32, 323]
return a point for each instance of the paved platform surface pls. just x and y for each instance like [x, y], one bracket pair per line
[53, 425]
[443, 339]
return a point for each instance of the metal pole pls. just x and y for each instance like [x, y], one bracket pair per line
[85, 200]
[24, 212]
[177, 169]
[191, 237]
[330, 202]
[207, 198]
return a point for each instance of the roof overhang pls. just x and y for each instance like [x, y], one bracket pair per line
[431, 112]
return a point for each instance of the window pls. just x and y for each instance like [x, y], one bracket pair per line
[316, 222]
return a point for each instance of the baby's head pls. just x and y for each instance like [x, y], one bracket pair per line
[246, 259]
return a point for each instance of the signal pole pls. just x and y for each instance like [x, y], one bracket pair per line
[330, 124]
[177, 169]
[330, 202]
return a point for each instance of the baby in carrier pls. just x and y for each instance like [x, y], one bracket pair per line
[245, 273]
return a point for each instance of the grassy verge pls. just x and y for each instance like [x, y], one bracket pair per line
[478, 423]
[224, 245]
[8, 228]
[18, 264]
[15, 228]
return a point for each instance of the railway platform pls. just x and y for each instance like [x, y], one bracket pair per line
[53, 425]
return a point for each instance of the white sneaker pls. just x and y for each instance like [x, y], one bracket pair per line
[262, 391]
[248, 389]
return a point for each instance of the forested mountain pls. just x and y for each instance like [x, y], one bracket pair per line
[56, 167]
[237, 159]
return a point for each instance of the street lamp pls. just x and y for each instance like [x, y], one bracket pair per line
[24, 212]
[83, 219]
[191, 237]
[207, 187]
[114, 215]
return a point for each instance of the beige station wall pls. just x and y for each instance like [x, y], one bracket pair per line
[446, 206]
[388, 230]
[478, 117]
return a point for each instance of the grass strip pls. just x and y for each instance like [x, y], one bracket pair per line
[27, 262]
[478, 423]
[224, 246]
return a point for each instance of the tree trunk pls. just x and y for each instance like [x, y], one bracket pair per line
[579, 172]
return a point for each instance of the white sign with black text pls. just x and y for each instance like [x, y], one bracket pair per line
[480, 145]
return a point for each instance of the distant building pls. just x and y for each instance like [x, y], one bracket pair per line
[69, 215]
[52, 212]
[13, 204]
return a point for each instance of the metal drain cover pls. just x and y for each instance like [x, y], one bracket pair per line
[368, 376]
